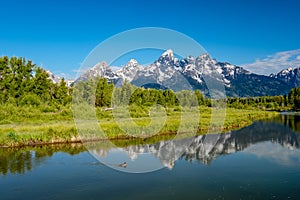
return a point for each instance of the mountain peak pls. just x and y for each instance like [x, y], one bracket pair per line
[168, 53]
[130, 70]
[204, 56]
[131, 65]
[101, 65]
[289, 75]
[167, 58]
[132, 62]
[167, 69]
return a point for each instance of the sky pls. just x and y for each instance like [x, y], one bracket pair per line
[58, 35]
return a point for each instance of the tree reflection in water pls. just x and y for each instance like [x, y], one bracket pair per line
[21, 160]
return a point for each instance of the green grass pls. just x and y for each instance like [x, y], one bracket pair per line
[32, 125]
[208, 122]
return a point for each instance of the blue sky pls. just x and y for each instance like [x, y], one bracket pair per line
[58, 35]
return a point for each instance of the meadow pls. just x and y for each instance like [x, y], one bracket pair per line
[28, 125]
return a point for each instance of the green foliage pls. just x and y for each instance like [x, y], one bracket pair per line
[30, 99]
[200, 98]
[62, 93]
[103, 93]
[13, 136]
[24, 84]
[286, 102]
[100, 93]
[35, 109]
[294, 98]
[42, 85]
[126, 92]
[265, 102]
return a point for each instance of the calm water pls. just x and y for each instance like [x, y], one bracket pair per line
[261, 161]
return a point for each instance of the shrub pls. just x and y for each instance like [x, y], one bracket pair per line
[30, 99]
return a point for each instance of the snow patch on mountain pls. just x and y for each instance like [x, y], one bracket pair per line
[289, 75]
[56, 79]
[191, 72]
[166, 67]
[129, 70]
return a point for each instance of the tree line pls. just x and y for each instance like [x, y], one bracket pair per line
[24, 83]
[281, 102]
[107, 95]
[103, 93]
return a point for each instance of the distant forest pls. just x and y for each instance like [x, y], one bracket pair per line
[22, 83]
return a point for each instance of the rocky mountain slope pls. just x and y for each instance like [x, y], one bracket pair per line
[290, 76]
[193, 72]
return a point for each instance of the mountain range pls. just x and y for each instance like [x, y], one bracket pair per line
[194, 72]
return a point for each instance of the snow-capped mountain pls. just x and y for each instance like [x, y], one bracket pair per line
[290, 76]
[99, 70]
[129, 71]
[53, 77]
[192, 72]
[56, 79]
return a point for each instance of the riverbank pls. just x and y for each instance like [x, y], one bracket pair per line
[53, 128]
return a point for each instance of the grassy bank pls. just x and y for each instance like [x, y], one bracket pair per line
[33, 125]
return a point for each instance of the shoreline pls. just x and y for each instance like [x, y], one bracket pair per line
[129, 138]
[64, 131]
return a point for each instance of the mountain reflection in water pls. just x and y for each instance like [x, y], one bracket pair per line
[276, 139]
[205, 148]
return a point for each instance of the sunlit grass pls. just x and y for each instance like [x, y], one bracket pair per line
[34, 126]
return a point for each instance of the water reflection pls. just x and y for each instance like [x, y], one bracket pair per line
[205, 148]
[274, 139]
[21, 160]
[276, 153]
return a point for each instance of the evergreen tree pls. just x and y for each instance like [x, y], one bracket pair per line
[170, 98]
[200, 97]
[126, 92]
[137, 97]
[42, 84]
[103, 93]
[5, 72]
[296, 98]
[21, 82]
[62, 93]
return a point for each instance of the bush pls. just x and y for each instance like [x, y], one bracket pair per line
[138, 111]
[177, 109]
[47, 108]
[30, 99]
[13, 136]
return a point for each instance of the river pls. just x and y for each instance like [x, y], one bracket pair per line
[261, 161]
